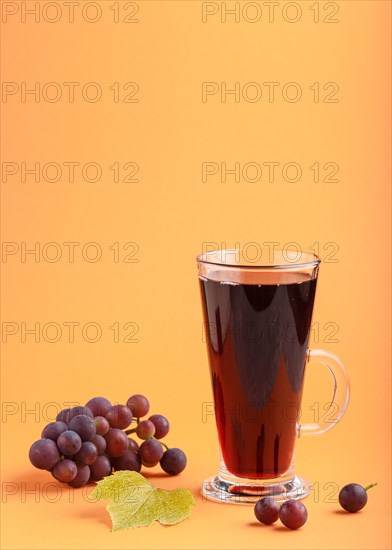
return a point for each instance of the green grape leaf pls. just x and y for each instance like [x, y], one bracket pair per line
[135, 502]
[176, 505]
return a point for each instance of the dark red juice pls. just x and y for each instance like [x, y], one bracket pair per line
[257, 338]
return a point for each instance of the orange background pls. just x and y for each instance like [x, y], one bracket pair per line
[170, 212]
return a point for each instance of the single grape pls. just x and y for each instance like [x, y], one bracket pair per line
[353, 497]
[267, 510]
[150, 464]
[69, 443]
[139, 405]
[44, 454]
[99, 406]
[54, 429]
[63, 415]
[87, 455]
[81, 410]
[119, 416]
[65, 470]
[161, 424]
[100, 443]
[101, 468]
[84, 426]
[293, 514]
[133, 444]
[102, 425]
[145, 429]
[75, 411]
[151, 451]
[128, 461]
[116, 442]
[81, 478]
[173, 461]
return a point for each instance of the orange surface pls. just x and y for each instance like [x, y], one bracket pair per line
[171, 213]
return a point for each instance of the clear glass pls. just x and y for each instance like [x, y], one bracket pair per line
[257, 318]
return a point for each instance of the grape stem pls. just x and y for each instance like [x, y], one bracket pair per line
[370, 486]
[133, 430]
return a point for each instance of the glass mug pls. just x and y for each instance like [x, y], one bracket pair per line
[257, 318]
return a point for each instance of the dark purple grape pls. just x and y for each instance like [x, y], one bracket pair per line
[150, 464]
[101, 468]
[116, 442]
[151, 451]
[99, 406]
[65, 470]
[173, 461]
[44, 454]
[102, 425]
[84, 426]
[267, 510]
[54, 429]
[161, 424]
[128, 461]
[139, 405]
[87, 455]
[133, 444]
[100, 443]
[293, 514]
[145, 429]
[81, 478]
[75, 411]
[63, 416]
[69, 414]
[353, 497]
[69, 443]
[119, 416]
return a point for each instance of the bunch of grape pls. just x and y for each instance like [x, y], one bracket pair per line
[87, 443]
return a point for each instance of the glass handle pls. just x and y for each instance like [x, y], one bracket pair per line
[341, 393]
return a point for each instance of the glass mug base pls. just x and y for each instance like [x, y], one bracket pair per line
[228, 488]
[219, 490]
